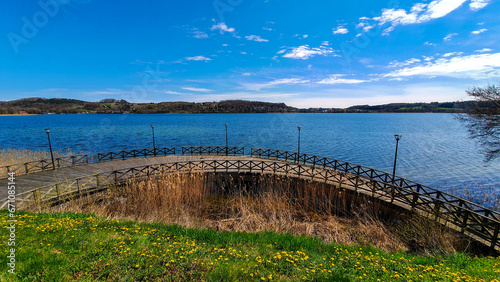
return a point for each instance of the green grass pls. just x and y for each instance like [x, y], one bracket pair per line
[67, 246]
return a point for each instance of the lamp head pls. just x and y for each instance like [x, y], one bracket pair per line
[152, 126]
[299, 127]
[225, 124]
[47, 130]
[397, 136]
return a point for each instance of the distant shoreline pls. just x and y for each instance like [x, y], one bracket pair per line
[12, 115]
[113, 106]
[184, 113]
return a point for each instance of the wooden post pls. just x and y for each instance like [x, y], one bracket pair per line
[464, 222]
[437, 208]
[495, 237]
[37, 197]
[414, 201]
[26, 168]
[58, 193]
[78, 187]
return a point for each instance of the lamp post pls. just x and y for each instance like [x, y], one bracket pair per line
[395, 156]
[50, 147]
[154, 145]
[226, 141]
[298, 145]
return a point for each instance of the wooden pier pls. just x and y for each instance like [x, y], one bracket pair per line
[114, 168]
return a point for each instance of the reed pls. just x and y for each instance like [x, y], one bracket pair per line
[20, 156]
[253, 203]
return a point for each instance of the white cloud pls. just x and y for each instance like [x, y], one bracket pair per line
[419, 13]
[305, 52]
[479, 31]
[172, 92]
[484, 50]
[256, 38]
[196, 89]
[283, 81]
[222, 27]
[378, 95]
[396, 17]
[243, 53]
[483, 66]
[449, 36]
[267, 28]
[246, 74]
[452, 54]
[439, 8]
[396, 64]
[198, 58]
[361, 25]
[476, 5]
[368, 28]
[325, 43]
[199, 34]
[337, 79]
[271, 97]
[429, 43]
[288, 81]
[340, 30]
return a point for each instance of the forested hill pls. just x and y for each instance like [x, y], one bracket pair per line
[112, 106]
[435, 107]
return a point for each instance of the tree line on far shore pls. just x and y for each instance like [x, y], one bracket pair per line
[113, 106]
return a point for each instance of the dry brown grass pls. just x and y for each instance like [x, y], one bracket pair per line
[20, 156]
[252, 203]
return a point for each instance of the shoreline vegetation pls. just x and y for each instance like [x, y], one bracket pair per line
[30, 106]
[213, 227]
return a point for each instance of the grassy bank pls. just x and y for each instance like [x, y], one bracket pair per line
[68, 246]
[259, 203]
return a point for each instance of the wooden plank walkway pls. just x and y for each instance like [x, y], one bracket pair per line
[476, 222]
[28, 182]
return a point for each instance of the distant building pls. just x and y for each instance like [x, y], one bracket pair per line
[23, 113]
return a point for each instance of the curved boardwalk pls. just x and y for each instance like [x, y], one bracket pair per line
[64, 183]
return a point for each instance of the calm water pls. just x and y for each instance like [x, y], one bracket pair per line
[435, 149]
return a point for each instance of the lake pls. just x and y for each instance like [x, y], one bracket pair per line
[434, 150]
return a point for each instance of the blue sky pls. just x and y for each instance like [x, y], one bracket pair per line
[320, 53]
